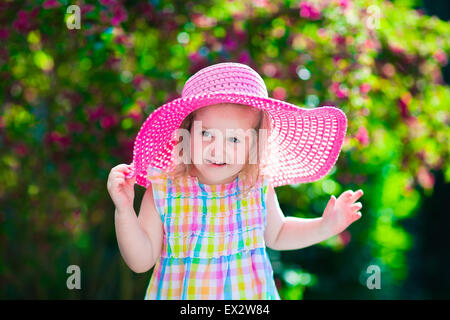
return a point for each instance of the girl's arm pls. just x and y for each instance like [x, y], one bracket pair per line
[290, 233]
[140, 238]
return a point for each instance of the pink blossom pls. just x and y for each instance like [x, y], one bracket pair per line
[58, 139]
[104, 18]
[195, 57]
[308, 11]
[108, 2]
[122, 39]
[202, 21]
[75, 126]
[169, 22]
[25, 20]
[362, 136]
[86, 8]
[441, 57]
[4, 33]
[108, 121]
[137, 81]
[241, 34]
[269, 69]
[345, 237]
[262, 3]
[293, 69]
[96, 113]
[344, 4]
[135, 115]
[230, 43]
[369, 44]
[388, 70]
[21, 149]
[396, 49]
[49, 4]
[420, 12]
[119, 15]
[336, 59]
[339, 90]
[403, 104]
[364, 112]
[425, 178]
[76, 213]
[412, 122]
[322, 32]
[279, 93]
[364, 88]
[339, 40]
[112, 62]
[141, 104]
[244, 57]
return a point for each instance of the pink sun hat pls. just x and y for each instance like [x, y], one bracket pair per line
[304, 143]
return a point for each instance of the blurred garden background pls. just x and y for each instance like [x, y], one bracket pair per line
[72, 101]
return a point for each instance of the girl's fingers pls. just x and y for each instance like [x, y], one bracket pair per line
[121, 173]
[348, 193]
[356, 206]
[357, 195]
[345, 196]
[122, 168]
[357, 216]
[330, 204]
[118, 175]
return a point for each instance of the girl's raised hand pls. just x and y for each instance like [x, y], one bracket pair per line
[342, 212]
[120, 188]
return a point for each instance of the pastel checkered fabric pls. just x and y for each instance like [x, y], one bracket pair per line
[213, 241]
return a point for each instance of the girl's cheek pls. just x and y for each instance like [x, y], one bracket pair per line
[238, 154]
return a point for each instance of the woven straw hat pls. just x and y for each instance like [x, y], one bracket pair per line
[304, 143]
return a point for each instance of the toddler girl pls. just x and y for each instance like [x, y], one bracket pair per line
[210, 161]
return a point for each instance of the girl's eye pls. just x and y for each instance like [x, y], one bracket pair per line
[208, 134]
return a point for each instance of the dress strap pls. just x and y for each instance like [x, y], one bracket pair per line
[158, 180]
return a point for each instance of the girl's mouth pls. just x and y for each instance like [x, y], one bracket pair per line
[213, 164]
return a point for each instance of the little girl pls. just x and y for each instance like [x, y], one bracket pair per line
[210, 161]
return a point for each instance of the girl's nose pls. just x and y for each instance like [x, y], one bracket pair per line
[218, 152]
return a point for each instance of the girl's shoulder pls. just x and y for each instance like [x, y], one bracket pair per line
[162, 178]
[266, 180]
[156, 176]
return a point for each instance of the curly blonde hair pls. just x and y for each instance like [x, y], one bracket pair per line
[251, 172]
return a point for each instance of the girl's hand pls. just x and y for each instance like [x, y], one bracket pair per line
[342, 212]
[121, 189]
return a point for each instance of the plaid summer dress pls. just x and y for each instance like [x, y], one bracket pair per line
[213, 242]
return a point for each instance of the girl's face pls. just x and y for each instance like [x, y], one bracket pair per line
[222, 133]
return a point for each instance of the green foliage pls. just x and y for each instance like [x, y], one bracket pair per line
[73, 101]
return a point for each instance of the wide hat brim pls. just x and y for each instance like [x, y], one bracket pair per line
[304, 143]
